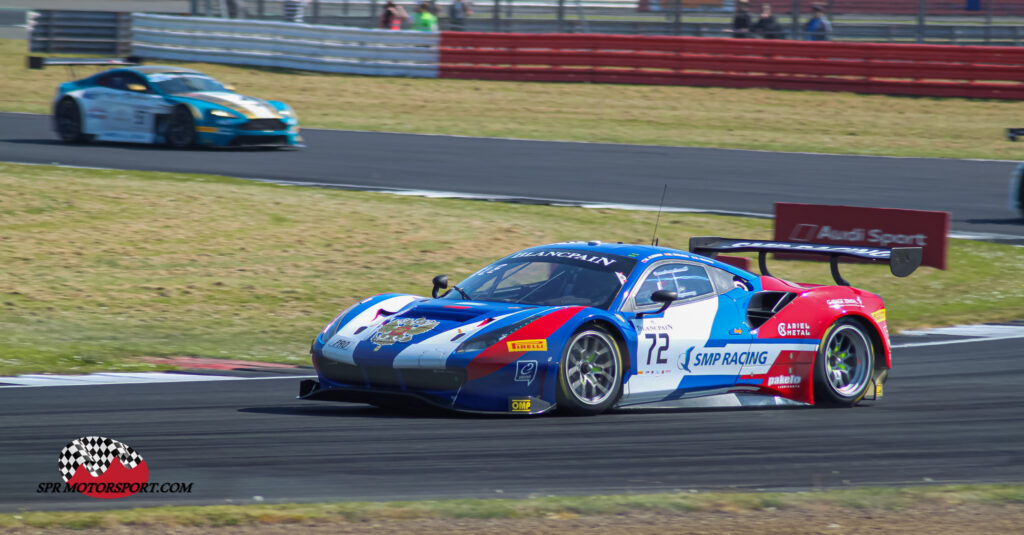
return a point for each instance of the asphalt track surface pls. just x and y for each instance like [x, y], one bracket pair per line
[951, 415]
[976, 192]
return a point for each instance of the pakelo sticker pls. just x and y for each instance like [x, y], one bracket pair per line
[879, 315]
[785, 381]
[401, 330]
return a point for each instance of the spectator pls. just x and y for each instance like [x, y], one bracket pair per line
[767, 26]
[457, 13]
[741, 21]
[818, 28]
[424, 20]
[236, 9]
[392, 17]
[294, 10]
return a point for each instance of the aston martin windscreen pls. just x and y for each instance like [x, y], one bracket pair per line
[179, 83]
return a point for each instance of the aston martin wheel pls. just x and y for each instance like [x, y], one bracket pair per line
[844, 365]
[590, 375]
[68, 120]
[181, 128]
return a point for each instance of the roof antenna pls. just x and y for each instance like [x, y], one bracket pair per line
[654, 239]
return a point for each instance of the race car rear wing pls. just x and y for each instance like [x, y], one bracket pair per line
[39, 62]
[902, 260]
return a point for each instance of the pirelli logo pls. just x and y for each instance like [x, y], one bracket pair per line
[519, 404]
[879, 315]
[527, 345]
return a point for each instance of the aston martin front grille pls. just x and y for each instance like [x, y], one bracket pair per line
[264, 124]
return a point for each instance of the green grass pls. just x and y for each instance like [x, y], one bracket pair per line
[103, 268]
[658, 115]
[890, 499]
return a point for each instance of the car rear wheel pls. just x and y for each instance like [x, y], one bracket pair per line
[181, 128]
[844, 366]
[590, 374]
[68, 118]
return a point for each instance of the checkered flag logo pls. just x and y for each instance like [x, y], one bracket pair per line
[96, 453]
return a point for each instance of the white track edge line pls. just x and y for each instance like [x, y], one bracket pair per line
[207, 378]
[951, 342]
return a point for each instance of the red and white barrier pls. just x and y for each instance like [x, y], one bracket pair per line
[925, 70]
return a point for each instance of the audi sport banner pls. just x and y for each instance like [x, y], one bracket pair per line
[875, 227]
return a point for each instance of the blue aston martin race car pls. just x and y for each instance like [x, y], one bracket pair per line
[586, 326]
[167, 105]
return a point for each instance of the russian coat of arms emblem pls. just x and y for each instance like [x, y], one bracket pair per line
[401, 331]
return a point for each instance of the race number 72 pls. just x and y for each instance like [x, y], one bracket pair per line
[660, 347]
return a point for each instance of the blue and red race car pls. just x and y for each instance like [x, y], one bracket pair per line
[587, 326]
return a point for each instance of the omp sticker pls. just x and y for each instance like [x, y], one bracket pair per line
[519, 404]
[528, 345]
[879, 315]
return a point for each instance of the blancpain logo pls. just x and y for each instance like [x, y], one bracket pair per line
[807, 232]
[785, 381]
[794, 329]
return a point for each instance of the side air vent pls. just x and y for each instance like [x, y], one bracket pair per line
[764, 305]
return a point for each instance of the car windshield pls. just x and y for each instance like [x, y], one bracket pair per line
[185, 82]
[549, 277]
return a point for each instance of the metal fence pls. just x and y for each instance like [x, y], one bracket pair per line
[914, 21]
[104, 33]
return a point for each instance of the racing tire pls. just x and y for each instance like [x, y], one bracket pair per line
[844, 366]
[68, 122]
[181, 129]
[590, 374]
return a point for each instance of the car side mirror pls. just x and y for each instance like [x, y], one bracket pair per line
[440, 283]
[665, 297]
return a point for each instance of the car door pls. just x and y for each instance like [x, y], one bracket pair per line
[698, 343]
[110, 97]
[130, 107]
[146, 104]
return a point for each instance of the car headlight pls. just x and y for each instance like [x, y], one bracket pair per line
[224, 114]
[488, 339]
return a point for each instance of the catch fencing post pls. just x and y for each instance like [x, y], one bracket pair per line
[677, 18]
[795, 31]
[922, 7]
[988, 22]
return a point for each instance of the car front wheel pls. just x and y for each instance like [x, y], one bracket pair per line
[590, 374]
[181, 128]
[844, 365]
